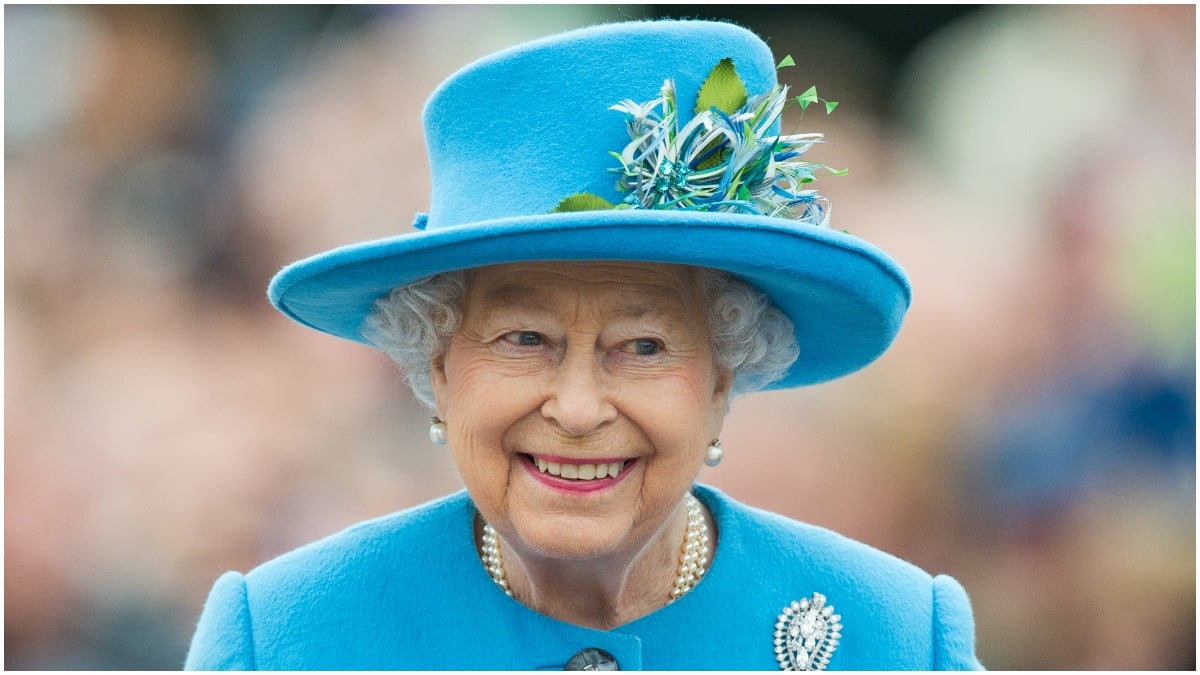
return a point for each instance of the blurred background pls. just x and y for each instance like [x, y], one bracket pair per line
[1032, 432]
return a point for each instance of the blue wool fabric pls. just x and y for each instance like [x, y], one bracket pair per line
[408, 592]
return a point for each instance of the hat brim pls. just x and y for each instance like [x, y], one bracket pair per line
[845, 297]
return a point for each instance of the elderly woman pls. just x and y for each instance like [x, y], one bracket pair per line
[620, 240]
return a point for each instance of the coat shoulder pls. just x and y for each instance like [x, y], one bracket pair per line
[339, 602]
[808, 550]
[406, 540]
[896, 615]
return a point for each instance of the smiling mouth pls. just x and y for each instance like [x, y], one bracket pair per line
[582, 472]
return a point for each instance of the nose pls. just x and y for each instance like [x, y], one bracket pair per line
[578, 400]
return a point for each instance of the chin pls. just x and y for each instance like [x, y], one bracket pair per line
[569, 537]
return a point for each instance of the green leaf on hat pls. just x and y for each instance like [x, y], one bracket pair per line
[786, 62]
[829, 106]
[719, 155]
[838, 172]
[723, 90]
[808, 97]
[583, 201]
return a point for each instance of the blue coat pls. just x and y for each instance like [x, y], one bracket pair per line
[408, 592]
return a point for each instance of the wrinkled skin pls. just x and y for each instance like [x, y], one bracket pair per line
[583, 361]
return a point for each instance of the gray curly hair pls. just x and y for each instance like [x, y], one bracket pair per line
[750, 337]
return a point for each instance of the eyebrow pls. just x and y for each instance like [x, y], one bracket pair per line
[515, 295]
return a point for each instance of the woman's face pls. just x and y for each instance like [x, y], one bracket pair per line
[579, 400]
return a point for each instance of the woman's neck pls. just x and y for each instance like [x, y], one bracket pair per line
[601, 593]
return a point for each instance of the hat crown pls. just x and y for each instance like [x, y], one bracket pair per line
[515, 133]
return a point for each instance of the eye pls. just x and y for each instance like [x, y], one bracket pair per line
[643, 347]
[524, 338]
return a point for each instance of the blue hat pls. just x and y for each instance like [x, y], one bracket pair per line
[652, 141]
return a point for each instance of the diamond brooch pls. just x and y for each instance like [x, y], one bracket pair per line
[807, 634]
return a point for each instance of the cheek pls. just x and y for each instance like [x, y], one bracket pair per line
[689, 391]
[478, 382]
[679, 414]
[483, 468]
[481, 401]
[479, 408]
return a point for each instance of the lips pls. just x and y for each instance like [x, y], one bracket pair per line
[577, 471]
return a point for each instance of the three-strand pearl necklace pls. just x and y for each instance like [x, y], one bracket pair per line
[693, 557]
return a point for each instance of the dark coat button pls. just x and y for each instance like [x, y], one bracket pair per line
[592, 659]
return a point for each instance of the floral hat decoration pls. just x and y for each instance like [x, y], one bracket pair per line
[729, 157]
[654, 141]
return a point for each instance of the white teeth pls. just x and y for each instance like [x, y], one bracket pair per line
[580, 471]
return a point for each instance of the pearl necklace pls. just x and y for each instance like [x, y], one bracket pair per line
[693, 558]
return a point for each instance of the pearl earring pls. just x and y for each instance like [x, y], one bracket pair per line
[714, 454]
[437, 431]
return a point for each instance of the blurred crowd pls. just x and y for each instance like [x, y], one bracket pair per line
[1031, 432]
